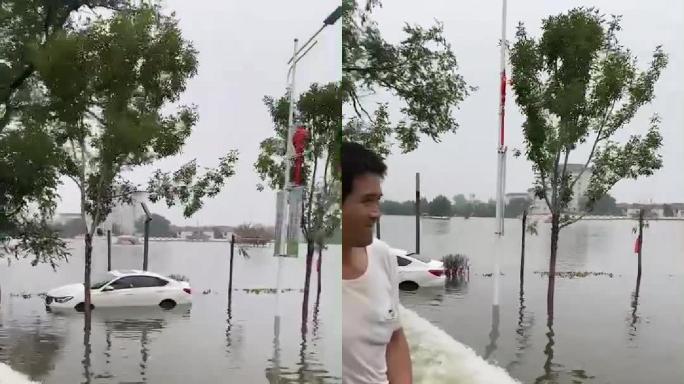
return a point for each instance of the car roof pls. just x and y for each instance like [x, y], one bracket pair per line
[136, 272]
[404, 254]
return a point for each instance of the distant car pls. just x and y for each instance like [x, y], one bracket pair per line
[125, 288]
[416, 271]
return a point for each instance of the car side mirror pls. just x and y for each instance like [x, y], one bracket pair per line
[107, 288]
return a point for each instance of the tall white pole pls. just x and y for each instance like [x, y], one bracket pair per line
[289, 154]
[501, 163]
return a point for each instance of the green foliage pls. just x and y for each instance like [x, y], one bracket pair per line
[320, 111]
[85, 96]
[440, 206]
[668, 211]
[606, 206]
[249, 230]
[160, 226]
[453, 262]
[406, 208]
[515, 207]
[576, 84]
[420, 70]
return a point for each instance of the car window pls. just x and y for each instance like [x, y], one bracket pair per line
[403, 261]
[148, 281]
[123, 283]
[100, 280]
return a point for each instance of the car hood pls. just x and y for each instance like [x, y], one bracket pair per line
[67, 290]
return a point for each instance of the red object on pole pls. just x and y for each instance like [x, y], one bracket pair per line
[637, 245]
[503, 106]
[299, 140]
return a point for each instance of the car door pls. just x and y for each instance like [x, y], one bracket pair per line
[404, 269]
[121, 295]
[150, 290]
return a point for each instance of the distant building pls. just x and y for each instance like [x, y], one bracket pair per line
[63, 218]
[580, 187]
[515, 195]
[678, 209]
[538, 206]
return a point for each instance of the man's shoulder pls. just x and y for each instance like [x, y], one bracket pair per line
[381, 250]
[379, 246]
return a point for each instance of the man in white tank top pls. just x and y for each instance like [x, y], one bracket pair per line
[374, 348]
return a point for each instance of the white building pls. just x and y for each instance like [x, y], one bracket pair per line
[579, 189]
[515, 195]
[538, 206]
[63, 218]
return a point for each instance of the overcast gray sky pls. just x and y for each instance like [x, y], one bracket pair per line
[243, 50]
[244, 45]
[465, 162]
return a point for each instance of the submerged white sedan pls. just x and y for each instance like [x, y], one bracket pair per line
[124, 288]
[416, 271]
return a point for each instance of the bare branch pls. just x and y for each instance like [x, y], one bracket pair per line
[573, 221]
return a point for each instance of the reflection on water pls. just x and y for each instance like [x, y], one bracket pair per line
[525, 324]
[592, 317]
[634, 318]
[29, 348]
[494, 333]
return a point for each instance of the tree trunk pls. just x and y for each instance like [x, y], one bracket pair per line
[86, 354]
[86, 279]
[307, 282]
[522, 250]
[555, 229]
[318, 270]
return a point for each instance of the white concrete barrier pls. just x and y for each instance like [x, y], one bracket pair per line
[439, 359]
[10, 376]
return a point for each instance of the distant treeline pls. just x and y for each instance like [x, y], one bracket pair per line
[460, 206]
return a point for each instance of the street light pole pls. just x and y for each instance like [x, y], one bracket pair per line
[281, 250]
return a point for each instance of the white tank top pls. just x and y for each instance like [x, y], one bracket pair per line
[370, 314]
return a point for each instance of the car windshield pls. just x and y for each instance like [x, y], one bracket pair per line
[99, 280]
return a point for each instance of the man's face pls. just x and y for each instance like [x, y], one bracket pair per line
[360, 211]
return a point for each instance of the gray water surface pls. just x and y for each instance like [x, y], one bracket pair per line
[206, 343]
[600, 333]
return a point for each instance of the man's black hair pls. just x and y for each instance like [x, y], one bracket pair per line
[358, 161]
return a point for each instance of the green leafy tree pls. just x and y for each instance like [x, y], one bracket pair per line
[420, 70]
[576, 84]
[319, 109]
[105, 86]
[668, 211]
[605, 206]
[462, 206]
[440, 206]
[27, 143]
[160, 226]
[515, 207]
[218, 233]
[390, 207]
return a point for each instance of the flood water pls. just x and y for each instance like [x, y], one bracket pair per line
[600, 334]
[207, 343]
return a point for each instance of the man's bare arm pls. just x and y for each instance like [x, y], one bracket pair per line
[399, 359]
